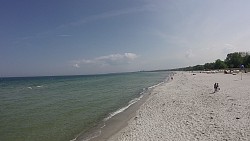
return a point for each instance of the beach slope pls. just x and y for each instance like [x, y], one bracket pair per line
[187, 108]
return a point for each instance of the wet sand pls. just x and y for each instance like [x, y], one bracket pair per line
[187, 108]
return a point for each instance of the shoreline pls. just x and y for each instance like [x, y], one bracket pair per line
[114, 123]
[189, 109]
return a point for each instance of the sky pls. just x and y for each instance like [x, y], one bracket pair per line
[74, 37]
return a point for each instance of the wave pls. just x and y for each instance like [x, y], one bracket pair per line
[123, 108]
[131, 102]
[156, 85]
[134, 100]
[73, 139]
[38, 86]
[29, 88]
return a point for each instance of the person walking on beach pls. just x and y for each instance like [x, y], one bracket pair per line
[215, 89]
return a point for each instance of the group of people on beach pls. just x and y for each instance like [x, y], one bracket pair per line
[216, 87]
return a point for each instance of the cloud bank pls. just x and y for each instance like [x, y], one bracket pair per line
[108, 60]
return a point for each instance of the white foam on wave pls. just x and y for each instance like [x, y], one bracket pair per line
[132, 102]
[123, 108]
[161, 82]
[113, 114]
[39, 86]
[103, 126]
[156, 85]
[29, 88]
[94, 135]
[73, 139]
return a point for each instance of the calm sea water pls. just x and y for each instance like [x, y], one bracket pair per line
[59, 108]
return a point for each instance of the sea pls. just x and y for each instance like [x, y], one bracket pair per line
[60, 108]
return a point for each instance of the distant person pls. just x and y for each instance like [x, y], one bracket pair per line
[215, 87]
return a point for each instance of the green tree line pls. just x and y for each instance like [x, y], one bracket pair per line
[233, 60]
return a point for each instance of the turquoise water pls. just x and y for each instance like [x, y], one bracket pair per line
[59, 108]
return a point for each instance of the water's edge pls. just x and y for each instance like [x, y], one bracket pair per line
[118, 119]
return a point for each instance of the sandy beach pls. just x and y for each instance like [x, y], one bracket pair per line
[187, 109]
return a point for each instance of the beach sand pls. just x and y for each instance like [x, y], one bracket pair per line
[187, 109]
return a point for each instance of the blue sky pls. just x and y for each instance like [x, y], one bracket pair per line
[67, 37]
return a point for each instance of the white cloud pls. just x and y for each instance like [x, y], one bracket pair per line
[113, 59]
[76, 66]
[130, 56]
